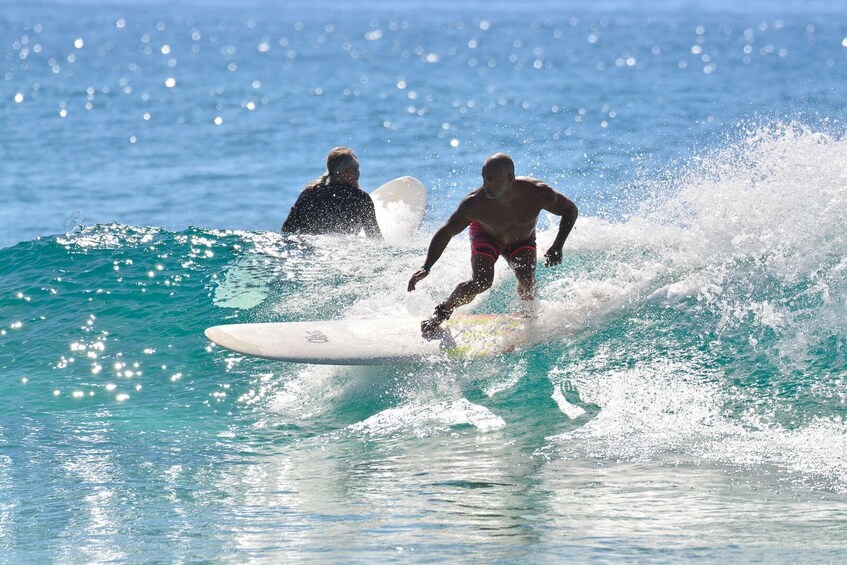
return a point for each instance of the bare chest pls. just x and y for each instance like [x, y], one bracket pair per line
[507, 224]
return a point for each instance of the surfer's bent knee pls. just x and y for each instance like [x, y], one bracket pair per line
[481, 285]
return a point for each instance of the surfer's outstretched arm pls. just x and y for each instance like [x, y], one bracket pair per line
[455, 225]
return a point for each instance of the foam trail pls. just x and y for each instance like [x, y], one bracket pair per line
[727, 291]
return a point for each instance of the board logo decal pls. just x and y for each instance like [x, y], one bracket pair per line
[316, 336]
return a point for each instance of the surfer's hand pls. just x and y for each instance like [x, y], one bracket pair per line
[553, 256]
[416, 278]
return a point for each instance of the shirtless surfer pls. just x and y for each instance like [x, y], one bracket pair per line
[502, 215]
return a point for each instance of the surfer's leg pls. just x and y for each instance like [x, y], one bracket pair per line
[523, 263]
[482, 276]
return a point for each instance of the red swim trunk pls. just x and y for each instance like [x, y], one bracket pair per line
[484, 244]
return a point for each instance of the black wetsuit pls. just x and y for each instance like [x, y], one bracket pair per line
[333, 208]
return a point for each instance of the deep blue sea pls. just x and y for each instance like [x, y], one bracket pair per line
[693, 406]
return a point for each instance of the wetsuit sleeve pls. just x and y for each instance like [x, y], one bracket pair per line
[369, 222]
[294, 221]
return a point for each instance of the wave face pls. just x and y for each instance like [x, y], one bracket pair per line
[698, 347]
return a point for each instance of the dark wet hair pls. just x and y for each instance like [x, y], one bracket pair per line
[337, 160]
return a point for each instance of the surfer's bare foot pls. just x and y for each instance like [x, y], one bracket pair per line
[527, 309]
[431, 327]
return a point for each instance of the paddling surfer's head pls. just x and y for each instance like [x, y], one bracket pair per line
[342, 167]
[498, 174]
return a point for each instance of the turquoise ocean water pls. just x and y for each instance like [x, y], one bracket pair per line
[692, 406]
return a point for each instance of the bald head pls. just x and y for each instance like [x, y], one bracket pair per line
[499, 162]
[498, 174]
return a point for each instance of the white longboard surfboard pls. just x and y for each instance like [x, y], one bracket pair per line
[400, 205]
[377, 341]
